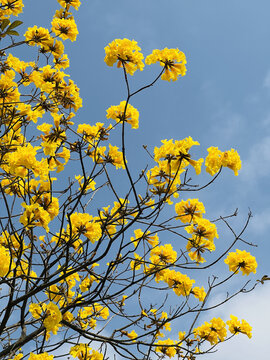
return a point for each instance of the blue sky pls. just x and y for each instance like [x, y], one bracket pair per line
[224, 101]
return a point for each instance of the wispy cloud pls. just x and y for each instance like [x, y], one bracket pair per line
[257, 165]
[227, 125]
[254, 308]
[260, 222]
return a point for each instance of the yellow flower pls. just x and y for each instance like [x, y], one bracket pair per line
[94, 133]
[53, 318]
[35, 35]
[173, 61]
[124, 52]
[123, 112]
[68, 3]
[10, 7]
[9, 92]
[241, 259]
[35, 310]
[199, 293]
[202, 229]
[35, 215]
[65, 28]
[162, 255]
[14, 243]
[216, 158]
[61, 62]
[180, 283]
[5, 261]
[213, 160]
[81, 351]
[68, 316]
[176, 155]
[83, 223]
[132, 335]
[189, 210]
[236, 327]
[85, 184]
[166, 347]
[56, 47]
[213, 332]
[26, 112]
[54, 293]
[136, 264]
[231, 159]
[22, 270]
[115, 157]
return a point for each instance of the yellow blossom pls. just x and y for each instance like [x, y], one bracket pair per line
[162, 255]
[166, 347]
[189, 210]
[243, 260]
[125, 52]
[53, 317]
[5, 261]
[216, 158]
[202, 229]
[199, 293]
[236, 327]
[68, 3]
[132, 335]
[180, 283]
[172, 60]
[136, 264]
[83, 223]
[35, 310]
[123, 112]
[213, 332]
[35, 35]
[65, 28]
[35, 215]
[115, 157]
[10, 7]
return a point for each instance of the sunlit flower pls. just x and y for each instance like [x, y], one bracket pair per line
[243, 260]
[125, 52]
[172, 60]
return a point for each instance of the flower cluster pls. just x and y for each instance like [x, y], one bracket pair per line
[243, 260]
[213, 331]
[10, 7]
[216, 158]
[203, 233]
[124, 112]
[236, 327]
[49, 313]
[126, 53]
[172, 60]
[172, 158]
[189, 210]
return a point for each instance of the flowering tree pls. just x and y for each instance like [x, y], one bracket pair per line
[83, 279]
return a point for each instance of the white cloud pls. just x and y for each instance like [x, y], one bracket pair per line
[258, 163]
[254, 308]
[227, 127]
[260, 222]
